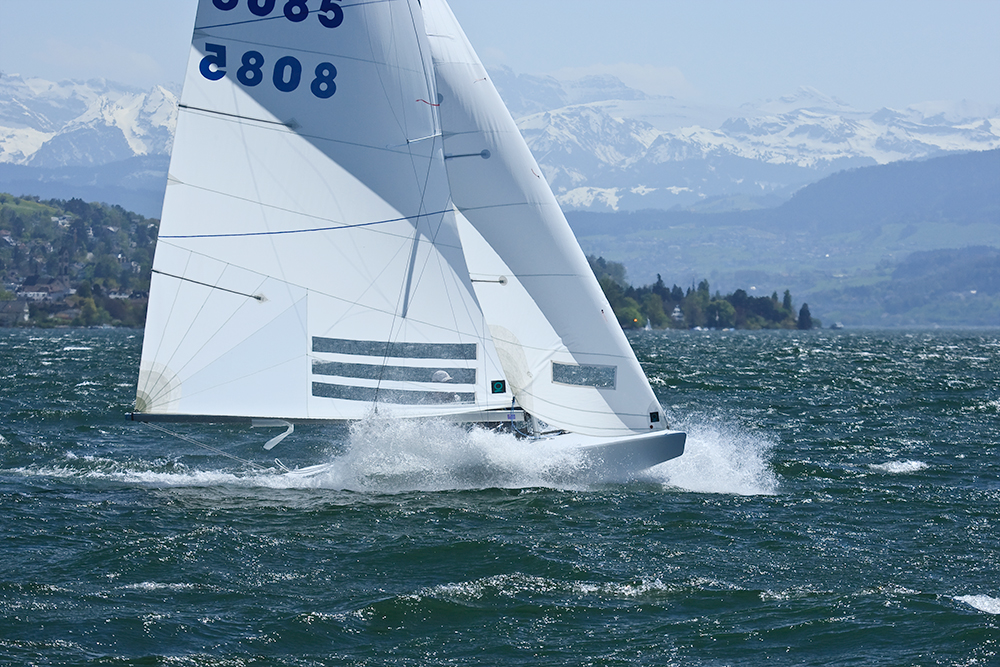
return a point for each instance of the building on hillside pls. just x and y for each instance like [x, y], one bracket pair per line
[44, 289]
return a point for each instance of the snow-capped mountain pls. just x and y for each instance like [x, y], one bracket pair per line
[601, 144]
[71, 124]
[596, 158]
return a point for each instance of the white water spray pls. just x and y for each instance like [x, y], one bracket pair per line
[385, 455]
[394, 455]
[720, 458]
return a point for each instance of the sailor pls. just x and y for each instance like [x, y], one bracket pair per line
[440, 376]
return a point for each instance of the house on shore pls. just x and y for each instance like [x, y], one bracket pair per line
[44, 289]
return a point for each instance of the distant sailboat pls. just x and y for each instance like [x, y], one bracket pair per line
[353, 224]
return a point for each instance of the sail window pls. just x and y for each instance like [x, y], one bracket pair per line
[395, 396]
[602, 377]
[371, 348]
[394, 373]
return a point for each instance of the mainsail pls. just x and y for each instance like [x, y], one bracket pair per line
[353, 223]
[308, 264]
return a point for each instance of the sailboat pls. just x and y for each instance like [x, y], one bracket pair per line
[353, 227]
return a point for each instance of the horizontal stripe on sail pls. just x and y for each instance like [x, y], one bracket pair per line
[394, 373]
[602, 377]
[371, 348]
[396, 396]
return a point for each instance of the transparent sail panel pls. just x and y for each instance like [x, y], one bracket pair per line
[601, 377]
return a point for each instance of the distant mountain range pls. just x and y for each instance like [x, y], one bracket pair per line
[609, 147]
[602, 145]
[96, 140]
[852, 245]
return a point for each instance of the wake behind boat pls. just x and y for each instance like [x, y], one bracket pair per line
[353, 221]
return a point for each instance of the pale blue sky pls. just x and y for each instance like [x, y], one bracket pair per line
[869, 53]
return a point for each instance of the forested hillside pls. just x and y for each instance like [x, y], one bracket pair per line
[76, 262]
[659, 307]
[85, 264]
[837, 243]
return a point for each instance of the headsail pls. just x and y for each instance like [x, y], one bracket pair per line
[309, 264]
[562, 348]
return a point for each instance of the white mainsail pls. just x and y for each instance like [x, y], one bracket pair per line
[562, 349]
[353, 221]
[309, 264]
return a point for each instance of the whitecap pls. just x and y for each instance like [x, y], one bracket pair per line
[899, 467]
[157, 586]
[509, 585]
[981, 602]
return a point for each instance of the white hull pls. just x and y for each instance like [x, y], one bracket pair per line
[605, 459]
[621, 459]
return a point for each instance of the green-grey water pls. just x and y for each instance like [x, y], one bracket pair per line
[838, 504]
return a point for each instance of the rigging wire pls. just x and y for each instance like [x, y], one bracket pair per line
[208, 447]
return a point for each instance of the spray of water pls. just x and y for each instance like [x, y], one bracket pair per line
[395, 455]
[720, 457]
[387, 455]
[384, 455]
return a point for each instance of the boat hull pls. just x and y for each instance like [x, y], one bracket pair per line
[622, 459]
[602, 460]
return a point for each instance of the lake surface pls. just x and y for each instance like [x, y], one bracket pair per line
[838, 504]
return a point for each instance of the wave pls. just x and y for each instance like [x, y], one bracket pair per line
[981, 602]
[379, 456]
[514, 584]
[899, 467]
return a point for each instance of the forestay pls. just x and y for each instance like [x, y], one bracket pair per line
[309, 264]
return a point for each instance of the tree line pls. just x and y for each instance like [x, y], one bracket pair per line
[673, 307]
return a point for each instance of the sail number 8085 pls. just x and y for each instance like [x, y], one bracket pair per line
[331, 15]
[286, 75]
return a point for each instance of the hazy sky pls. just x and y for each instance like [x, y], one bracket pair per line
[869, 53]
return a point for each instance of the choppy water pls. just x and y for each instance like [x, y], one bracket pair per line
[839, 504]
